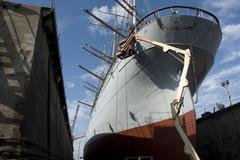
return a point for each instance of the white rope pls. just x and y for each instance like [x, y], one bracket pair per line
[148, 8]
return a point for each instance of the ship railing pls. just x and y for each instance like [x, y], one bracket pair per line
[176, 10]
[182, 10]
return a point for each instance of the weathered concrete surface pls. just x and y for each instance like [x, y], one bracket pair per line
[32, 101]
[17, 41]
[218, 134]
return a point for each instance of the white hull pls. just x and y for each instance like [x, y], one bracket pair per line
[128, 88]
[137, 91]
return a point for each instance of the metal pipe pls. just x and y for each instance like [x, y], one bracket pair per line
[84, 103]
[130, 12]
[78, 137]
[229, 96]
[95, 75]
[129, 6]
[96, 55]
[104, 23]
[91, 85]
[90, 89]
[105, 55]
[75, 119]
[99, 25]
[225, 84]
[134, 12]
[124, 7]
[48, 120]
[113, 14]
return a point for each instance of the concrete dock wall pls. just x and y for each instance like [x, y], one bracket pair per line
[218, 134]
[33, 113]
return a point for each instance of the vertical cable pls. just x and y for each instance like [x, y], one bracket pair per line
[126, 94]
[148, 8]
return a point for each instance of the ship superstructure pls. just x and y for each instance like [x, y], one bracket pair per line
[131, 114]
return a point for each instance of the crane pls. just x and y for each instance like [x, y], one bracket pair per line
[123, 52]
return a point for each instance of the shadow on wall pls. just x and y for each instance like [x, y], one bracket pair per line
[163, 69]
[16, 48]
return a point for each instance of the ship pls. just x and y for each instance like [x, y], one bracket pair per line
[131, 115]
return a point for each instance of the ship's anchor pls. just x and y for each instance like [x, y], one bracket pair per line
[178, 101]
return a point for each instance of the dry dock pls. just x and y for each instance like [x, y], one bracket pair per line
[218, 134]
[34, 121]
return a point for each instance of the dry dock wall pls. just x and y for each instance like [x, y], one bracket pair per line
[218, 134]
[34, 121]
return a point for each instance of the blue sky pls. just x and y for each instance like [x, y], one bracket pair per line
[75, 30]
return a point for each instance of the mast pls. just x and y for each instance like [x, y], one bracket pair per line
[134, 11]
[114, 34]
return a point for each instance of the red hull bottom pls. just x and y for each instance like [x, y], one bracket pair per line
[159, 140]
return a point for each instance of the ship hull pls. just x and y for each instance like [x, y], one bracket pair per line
[134, 110]
[132, 115]
[158, 141]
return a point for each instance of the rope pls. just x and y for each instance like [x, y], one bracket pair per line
[148, 8]
[53, 4]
